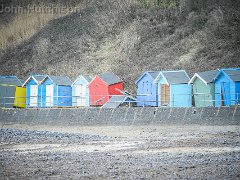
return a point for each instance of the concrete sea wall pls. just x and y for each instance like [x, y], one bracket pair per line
[123, 116]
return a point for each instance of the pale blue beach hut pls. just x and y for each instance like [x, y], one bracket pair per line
[80, 91]
[173, 89]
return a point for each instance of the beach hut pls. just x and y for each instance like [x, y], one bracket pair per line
[56, 91]
[204, 88]
[12, 94]
[34, 91]
[146, 89]
[80, 91]
[103, 87]
[120, 101]
[227, 87]
[173, 89]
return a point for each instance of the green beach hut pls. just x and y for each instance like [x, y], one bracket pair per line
[204, 88]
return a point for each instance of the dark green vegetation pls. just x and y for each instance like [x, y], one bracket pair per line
[127, 37]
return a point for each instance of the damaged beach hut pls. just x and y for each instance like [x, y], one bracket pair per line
[12, 94]
[120, 101]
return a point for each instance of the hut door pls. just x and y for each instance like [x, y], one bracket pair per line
[81, 99]
[226, 93]
[34, 95]
[147, 90]
[83, 90]
[78, 95]
[165, 95]
[49, 95]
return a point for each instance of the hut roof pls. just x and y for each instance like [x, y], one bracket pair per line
[87, 78]
[37, 78]
[231, 73]
[234, 74]
[110, 78]
[174, 77]
[10, 80]
[153, 74]
[60, 80]
[206, 77]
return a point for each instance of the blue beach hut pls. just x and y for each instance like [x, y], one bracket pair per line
[80, 91]
[34, 91]
[147, 90]
[56, 91]
[173, 89]
[227, 87]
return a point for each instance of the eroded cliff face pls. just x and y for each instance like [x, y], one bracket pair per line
[125, 37]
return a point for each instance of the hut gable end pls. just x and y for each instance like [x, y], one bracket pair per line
[59, 80]
[206, 77]
[151, 74]
[231, 74]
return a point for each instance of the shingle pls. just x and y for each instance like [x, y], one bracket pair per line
[10, 80]
[233, 74]
[110, 78]
[61, 80]
[208, 76]
[176, 77]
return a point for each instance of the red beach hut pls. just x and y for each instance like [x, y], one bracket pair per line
[103, 87]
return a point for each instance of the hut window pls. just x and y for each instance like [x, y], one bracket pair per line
[146, 87]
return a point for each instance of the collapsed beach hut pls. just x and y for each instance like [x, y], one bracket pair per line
[56, 91]
[12, 94]
[147, 90]
[227, 87]
[204, 88]
[173, 89]
[80, 91]
[120, 101]
[103, 87]
[34, 91]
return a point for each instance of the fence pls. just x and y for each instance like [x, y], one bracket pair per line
[8, 102]
[187, 100]
[176, 100]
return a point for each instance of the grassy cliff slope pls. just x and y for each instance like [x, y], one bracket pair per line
[126, 37]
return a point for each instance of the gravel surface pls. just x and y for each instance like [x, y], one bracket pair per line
[10, 136]
[148, 153]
